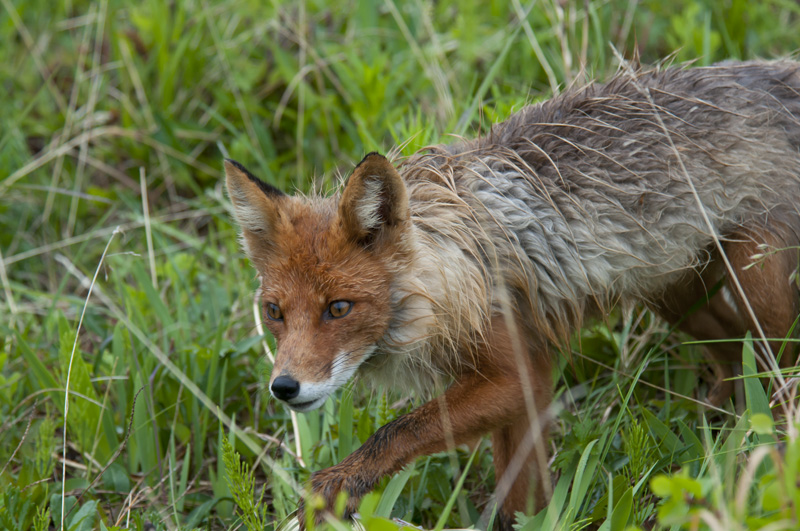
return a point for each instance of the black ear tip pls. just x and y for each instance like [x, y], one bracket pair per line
[268, 189]
[234, 164]
[373, 154]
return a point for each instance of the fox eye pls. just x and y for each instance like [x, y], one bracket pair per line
[339, 309]
[274, 312]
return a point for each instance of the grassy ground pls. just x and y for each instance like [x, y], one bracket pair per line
[122, 281]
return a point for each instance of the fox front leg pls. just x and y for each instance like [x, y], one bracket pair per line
[460, 416]
[476, 404]
[481, 401]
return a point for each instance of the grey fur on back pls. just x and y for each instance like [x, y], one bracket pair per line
[582, 200]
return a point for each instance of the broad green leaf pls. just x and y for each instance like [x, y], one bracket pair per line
[756, 397]
[392, 492]
[761, 424]
[621, 514]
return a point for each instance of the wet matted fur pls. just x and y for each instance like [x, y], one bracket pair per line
[465, 264]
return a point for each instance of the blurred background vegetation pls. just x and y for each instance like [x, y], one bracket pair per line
[115, 117]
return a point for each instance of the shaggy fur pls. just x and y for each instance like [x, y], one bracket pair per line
[654, 187]
[580, 203]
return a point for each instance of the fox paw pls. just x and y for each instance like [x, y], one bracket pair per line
[328, 486]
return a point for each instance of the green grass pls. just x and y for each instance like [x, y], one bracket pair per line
[161, 353]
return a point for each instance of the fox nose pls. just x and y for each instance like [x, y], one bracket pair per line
[285, 388]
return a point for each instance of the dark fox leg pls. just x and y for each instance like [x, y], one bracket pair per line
[480, 401]
[767, 286]
[520, 448]
[520, 459]
[724, 314]
[713, 319]
[769, 289]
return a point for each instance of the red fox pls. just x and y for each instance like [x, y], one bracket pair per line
[465, 266]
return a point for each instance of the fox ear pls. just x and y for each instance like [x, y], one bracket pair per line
[255, 203]
[374, 199]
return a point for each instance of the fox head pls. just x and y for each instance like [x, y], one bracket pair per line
[325, 266]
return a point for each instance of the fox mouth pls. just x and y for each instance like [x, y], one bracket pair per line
[308, 405]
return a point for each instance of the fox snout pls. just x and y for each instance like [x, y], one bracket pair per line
[298, 396]
[306, 394]
[304, 383]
